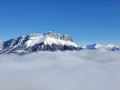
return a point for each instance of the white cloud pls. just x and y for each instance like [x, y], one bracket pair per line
[77, 70]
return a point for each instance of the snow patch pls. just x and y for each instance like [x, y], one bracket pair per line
[48, 40]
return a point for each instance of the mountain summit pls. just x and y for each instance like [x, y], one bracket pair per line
[97, 46]
[34, 42]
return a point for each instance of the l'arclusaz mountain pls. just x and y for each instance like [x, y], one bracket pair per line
[48, 41]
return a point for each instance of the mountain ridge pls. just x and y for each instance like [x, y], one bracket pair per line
[48, 41]
[97, 46]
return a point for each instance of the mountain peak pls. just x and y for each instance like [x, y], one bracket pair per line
[96, 46]
[93, 46]
[65, 37]
[49, 32]
[39, 42]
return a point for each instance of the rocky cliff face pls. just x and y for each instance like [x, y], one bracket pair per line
[59, 36]
[38, 42]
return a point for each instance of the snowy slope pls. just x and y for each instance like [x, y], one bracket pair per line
[38, 42]
[96, 46]
[93, 46]
[112, 46]
[48, 40]
[1, 43]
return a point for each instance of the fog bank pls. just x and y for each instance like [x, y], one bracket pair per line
[77, 70]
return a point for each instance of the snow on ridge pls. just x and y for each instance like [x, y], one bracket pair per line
[112, 46]
[96, 46]
[1, 43]
[51, 40]
[38, 38]
[25, 42]
[35, 40]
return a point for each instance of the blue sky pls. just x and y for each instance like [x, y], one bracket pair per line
[87, 21]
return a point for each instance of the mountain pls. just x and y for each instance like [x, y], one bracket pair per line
[97, 46]
[48, 41]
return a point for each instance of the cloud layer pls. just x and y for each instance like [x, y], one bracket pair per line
[77, 70]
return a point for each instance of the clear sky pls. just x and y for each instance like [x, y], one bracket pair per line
[87, 21]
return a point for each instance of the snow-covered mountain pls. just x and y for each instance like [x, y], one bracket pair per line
[38, 42]
[48, 41]
[96, 46]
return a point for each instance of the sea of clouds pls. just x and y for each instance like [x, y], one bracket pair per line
[69, 70]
